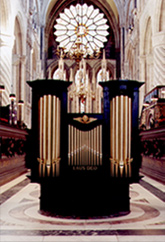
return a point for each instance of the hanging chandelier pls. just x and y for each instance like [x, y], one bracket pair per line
[78, 51]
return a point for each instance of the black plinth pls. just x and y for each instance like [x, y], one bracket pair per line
[85, 198]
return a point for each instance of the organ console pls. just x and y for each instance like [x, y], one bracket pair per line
[84, 161]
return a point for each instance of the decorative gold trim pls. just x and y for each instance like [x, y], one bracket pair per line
[85, 119]
[125, 162]
[41, 161]
[55, 161]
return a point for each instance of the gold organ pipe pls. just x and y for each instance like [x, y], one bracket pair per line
[82, 137]
[49, 135]
[54, 130]
[129, 122]
[73, 145]
[74, 140]
[68, 106]
[101, 145]
[41, 128]
[121, 161]
[80, 147]
[76, 146]
[124, 161]
[117, 133]
[95, 144]
[71, 140]
[44, 129]
[126, 133]
[112, 134]
[58, 137]
[89, 154]
[89, 147]
[41, 137]
[84, 147]
[129, 140]
[121, 129]
[48, 163]
[44, 133]
[120, 136]
[92, 148]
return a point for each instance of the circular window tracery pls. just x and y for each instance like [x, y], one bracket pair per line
[81, 23]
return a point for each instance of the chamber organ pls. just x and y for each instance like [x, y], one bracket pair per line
[79, 157]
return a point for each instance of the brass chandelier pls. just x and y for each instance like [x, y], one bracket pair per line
[78, 51]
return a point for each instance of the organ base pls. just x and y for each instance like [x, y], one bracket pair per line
[84, 198]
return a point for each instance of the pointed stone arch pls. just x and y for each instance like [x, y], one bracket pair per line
[18, 60]
[51, 12]
[4, 16]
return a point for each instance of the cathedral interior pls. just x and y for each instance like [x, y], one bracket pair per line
[82, 120]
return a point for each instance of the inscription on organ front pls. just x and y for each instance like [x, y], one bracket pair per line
[85, 168]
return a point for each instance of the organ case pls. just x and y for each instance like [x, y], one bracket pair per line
[80, 157]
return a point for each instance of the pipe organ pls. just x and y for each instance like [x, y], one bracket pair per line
[120, 135]
[49, 135]
[85, 147]
[79, 157]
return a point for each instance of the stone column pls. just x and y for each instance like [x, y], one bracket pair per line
[6, 45]
[159, 60]
[142, 79]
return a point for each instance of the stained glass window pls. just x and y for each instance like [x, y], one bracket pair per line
[81, 23]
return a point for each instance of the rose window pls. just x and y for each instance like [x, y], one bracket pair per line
[81, 24]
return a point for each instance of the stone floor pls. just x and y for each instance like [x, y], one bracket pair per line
[20, 219]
